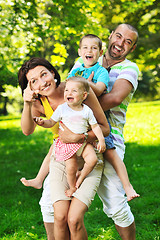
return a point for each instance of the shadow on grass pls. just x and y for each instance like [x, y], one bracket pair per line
[19, 209]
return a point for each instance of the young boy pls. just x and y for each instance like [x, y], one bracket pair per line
[90, 49]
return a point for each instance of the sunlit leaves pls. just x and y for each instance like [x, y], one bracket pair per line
[42, 28]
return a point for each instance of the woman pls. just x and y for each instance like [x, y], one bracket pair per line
[40, 82]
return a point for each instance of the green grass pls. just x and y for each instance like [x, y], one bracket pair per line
[20, 216]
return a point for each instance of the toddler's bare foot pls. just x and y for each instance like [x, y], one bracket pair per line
[131, 193]
[31, 183]
[70, 191]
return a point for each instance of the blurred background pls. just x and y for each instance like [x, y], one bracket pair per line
[52, 29]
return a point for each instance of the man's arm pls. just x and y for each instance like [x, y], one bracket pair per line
[115, 97]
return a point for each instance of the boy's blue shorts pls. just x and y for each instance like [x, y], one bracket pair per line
[109, 139]
[109, 142]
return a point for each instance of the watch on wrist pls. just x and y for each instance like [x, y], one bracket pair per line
[85, 136]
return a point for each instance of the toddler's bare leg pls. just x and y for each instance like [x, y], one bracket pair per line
[90, 160]
[71, 169]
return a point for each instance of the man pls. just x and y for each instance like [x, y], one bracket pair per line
[123, 82]
[122, 85]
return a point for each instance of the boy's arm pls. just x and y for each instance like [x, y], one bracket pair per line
[98, 88]
[98, 132]
[101, 83]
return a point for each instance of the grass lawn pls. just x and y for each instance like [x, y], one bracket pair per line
[20, 216]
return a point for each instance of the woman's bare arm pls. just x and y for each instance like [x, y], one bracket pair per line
[31, 107]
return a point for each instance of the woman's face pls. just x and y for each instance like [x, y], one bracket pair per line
[41, 80]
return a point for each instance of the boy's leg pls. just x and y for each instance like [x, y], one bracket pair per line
[43, 171]
[90, 160]
[71, 170]
[112, 157]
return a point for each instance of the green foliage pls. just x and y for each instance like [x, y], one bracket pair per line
[7, 77]
[53, 28]
[14, 99]
[22, 155]
[148, 86]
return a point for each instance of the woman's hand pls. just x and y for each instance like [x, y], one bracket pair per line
[27, 123]
[29, 95]
[67, 136]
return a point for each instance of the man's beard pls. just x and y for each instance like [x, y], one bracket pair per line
[114, 57]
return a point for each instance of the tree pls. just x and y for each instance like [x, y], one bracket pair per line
[9, 78]
[53, 28]
[145, 16]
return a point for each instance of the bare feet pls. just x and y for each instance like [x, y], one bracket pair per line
[70, 191]
[31, 183]
[131, 193]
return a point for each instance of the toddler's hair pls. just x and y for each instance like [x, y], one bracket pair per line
[92, 36]
[84, 83]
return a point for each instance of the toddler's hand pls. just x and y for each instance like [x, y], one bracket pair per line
[38, 120]
[101, 146]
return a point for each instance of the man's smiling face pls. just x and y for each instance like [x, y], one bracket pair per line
[121, 42]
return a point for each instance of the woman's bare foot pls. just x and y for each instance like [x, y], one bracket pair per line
[131, 193]
[31, 183]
